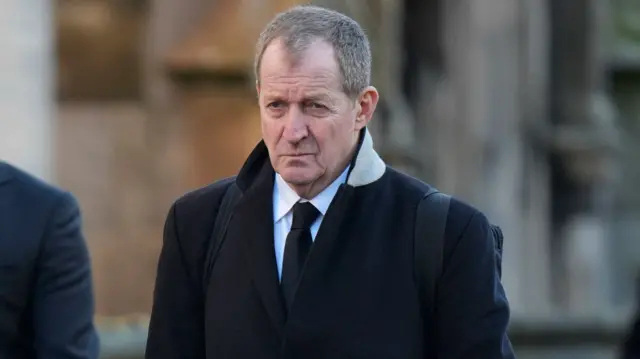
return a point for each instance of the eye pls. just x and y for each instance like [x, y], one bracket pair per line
[275, 105]
[316, 106]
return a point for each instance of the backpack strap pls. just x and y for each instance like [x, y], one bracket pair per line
[430, 224]
[225, 212]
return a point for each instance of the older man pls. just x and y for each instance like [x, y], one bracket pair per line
[316, 258]
[46, 291]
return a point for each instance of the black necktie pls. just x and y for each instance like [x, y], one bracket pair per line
[296, 248]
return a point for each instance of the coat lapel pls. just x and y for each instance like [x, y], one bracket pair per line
[253, 225]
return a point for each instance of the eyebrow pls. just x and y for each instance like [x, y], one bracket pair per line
[318, 96]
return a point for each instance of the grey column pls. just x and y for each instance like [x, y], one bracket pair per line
[582, 139]
[496, 167]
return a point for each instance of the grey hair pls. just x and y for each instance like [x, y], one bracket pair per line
[300, 26]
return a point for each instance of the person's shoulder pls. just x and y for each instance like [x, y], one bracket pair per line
[31, 189]
[194, 214]
[462, 215]
[460, 211]
[405, 185]
[202, 203]
[205, 195]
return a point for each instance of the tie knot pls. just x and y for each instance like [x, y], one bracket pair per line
[304, 214]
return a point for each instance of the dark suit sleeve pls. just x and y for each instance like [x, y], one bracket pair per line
[176, 329]
[472, 309]
[63, 303]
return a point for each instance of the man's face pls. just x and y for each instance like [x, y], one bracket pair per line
[309, 125]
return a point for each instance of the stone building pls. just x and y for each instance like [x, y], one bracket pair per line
[504, 103]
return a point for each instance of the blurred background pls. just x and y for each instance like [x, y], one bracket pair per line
[529, 109]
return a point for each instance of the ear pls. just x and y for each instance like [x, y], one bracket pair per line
[366, 106]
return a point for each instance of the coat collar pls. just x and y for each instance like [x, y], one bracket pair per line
[366, 166]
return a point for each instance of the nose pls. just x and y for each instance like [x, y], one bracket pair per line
[296, 127]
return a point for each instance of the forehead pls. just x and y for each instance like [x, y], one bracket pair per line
[313, 70]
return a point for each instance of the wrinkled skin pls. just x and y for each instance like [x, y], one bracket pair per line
[309, 124]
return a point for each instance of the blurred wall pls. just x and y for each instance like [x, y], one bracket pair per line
[102, 152]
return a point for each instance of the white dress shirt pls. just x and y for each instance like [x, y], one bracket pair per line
[284, 198]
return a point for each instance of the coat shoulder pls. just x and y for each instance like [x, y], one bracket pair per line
[195, 211]
[204, 197]
[460, 211]
[28, 183]
[192, 217]
[31, 192]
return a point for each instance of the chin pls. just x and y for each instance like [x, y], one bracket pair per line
[298, 176]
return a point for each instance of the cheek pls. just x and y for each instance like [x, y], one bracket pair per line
[271, 131]
[330, 137]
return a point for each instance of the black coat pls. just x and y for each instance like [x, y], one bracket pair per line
[357, 297]
[46, 295]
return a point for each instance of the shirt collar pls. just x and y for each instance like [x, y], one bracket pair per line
[285, 198]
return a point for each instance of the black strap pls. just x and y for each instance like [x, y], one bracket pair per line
[223, 218]
[431, 220]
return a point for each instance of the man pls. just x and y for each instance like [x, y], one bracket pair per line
[317, 258]
[46, 298]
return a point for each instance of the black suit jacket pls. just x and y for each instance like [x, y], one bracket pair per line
[357, 297]
[46, 298]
